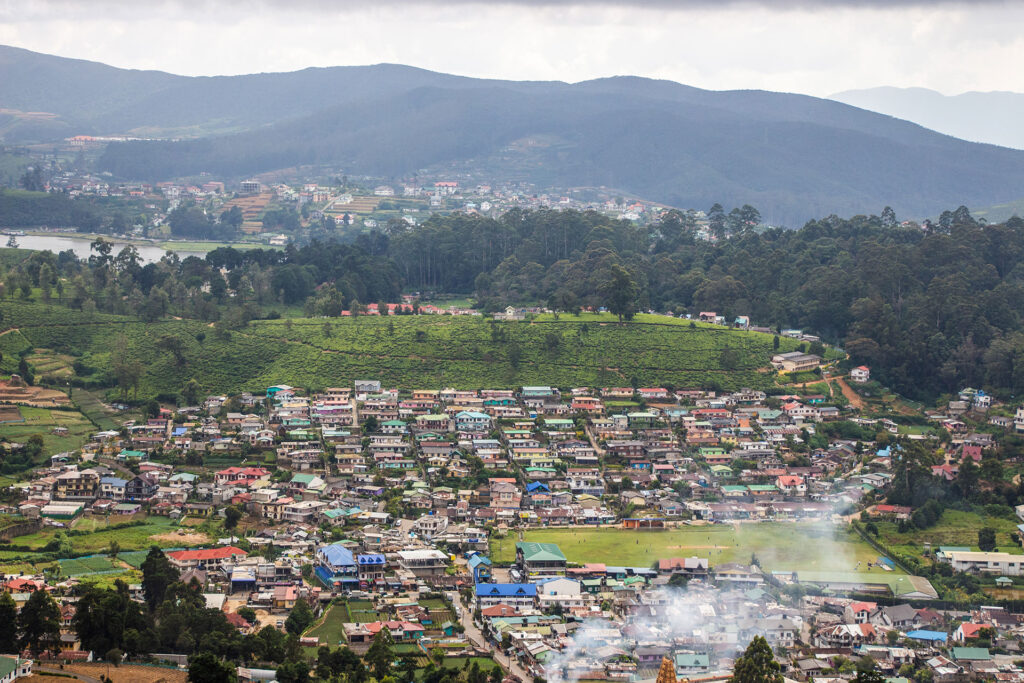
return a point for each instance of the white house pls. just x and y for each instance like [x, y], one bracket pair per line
[860, 374]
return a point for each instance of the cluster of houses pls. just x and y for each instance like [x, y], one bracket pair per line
[533, 455]
[384, 496]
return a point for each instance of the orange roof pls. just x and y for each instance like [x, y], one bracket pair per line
[222, 553]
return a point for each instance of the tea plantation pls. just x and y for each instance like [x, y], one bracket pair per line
[405, 351]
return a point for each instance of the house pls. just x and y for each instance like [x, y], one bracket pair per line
[205, 558]
[687, 566]
[336, 566]
[540, 559]
[112, 487]
[240, 476]
[791, 485]
[141, 487]
[77, 485]
[515, 595]
[969, 631]
[997, 563]
[795, 361]
[860, 374]
[13, 668]
[480, 566]
[859, 612]
[426, 563]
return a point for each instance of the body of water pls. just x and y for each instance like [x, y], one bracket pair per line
[149, 253]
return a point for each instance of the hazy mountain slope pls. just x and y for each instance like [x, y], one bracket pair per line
[993, 117]
[98, 98]
[793, 156]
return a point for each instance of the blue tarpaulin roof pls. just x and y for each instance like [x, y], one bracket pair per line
[934, 636]
[337, 556]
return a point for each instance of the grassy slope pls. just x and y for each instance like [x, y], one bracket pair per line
[956, 528]
[408, 351]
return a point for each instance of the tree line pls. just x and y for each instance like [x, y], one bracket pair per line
[931, 308]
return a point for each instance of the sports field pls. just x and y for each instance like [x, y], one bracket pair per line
[778, 546]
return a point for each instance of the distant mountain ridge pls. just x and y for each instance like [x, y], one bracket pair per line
[795, 157]
[995, 118]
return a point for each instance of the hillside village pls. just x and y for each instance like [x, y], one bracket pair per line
[417, 513]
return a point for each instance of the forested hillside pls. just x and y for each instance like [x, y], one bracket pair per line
[930, 309]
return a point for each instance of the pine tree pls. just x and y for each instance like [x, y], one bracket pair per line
[757, 664]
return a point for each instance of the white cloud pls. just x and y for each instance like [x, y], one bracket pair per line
[812, 47]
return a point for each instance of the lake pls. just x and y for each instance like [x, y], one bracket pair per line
[149, 253]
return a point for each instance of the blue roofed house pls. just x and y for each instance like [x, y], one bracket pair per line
[928, 636]
[112, 487]
[481, 568]
[336, 567]
[537, 486]
[472, 421]
[371, 567]
[511, 594]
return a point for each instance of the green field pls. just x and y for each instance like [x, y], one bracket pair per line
[485, 663]
[42, 421]
[83, 566]
[92, 407]
[198, 247]
[409, 351]
[778, 546]
[99, 538]
[328, 628]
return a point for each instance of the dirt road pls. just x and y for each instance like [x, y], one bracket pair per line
[852, 396]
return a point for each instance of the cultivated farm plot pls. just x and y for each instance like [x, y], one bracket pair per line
[92, 407]
[778, 546]
[42, 421]
[86, 566]
[51, 365]
[134, 558]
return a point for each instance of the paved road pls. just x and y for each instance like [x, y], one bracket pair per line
[476, 637]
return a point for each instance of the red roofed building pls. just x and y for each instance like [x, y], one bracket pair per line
[23, 585]
[400, 630]
[968, 631]
[499, 610]
[858, 612]
[886, 510]
[972, 452]
[947, 472]
[241, 476]
[204, 558]
[791, 485]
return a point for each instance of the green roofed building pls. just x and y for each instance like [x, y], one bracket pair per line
[13, 668]
[539, 559]
[971, 654]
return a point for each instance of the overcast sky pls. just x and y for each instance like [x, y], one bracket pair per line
[811, 46]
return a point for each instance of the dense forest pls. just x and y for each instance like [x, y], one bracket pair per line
[930, 308]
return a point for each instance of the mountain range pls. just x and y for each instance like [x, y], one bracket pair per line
[793, 156]
[993, 117]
